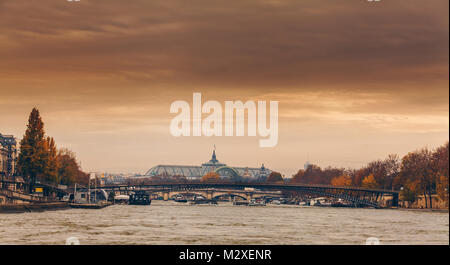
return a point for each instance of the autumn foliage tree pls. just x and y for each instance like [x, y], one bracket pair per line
[316, 175]
[417, 167]
[33, 157]
[369, 182]
[51, 172]
[441, 164]
[210, 177]
[274, 177]
[422, 172]
[40, 159]
[69, 171]
[343, 180]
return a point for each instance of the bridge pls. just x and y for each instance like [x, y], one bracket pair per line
[355, 195]
[358, 196]
[207, 193]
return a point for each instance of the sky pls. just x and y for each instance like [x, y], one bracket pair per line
[355, 80]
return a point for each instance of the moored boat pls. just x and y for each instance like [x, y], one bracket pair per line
[257, 203]
[140, 198]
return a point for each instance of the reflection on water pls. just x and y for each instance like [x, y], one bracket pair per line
[175, 223]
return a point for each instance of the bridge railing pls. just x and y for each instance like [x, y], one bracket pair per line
[370, 197]
[250, 185]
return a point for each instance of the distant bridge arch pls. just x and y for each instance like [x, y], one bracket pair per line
[227, 171]
[229, 195]
[186, 194]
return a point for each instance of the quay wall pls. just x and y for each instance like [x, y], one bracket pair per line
[30, 207]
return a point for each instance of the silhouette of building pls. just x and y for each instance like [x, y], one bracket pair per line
[8, 155]
[213, 165]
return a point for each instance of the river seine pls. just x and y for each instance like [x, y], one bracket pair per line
[175, 223]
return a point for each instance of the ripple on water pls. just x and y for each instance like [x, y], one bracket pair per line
[167, 223]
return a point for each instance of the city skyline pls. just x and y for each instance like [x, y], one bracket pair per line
[354, 82]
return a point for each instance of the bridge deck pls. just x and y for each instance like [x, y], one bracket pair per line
[251, 185]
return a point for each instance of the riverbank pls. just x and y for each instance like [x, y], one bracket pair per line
[90, 205]
[39, 207]
[423, 210]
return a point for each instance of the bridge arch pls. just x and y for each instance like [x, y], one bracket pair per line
[184, 194]
[229, 194]
[227, 171]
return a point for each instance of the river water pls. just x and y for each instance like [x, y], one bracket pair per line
[175, 223]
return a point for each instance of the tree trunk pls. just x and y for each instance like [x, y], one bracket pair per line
[425, 197]
[32, 181]
[431, 200]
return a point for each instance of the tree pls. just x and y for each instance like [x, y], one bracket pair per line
[369, 182]
[441, 168]
[69, 171]
[210, 177]
[299, 177]
[392, 169]
[274, 177]
[51, 173]
[33, 157]
[315, 175]
[417, 167]
[358, 176]
[343, 180]
[378, 171]
[409, 190]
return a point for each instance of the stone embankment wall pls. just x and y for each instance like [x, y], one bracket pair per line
[419, 203]
[22, 208]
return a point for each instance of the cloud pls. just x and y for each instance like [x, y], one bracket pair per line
[258, 44]
[113, 67]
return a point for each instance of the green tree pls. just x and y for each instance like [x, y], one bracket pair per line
[33, 157]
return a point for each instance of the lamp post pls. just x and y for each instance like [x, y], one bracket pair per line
[95, 190]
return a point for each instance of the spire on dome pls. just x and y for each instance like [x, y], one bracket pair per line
[213, 158]
[214, 161]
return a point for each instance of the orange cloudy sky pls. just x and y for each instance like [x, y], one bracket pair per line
[355, 80]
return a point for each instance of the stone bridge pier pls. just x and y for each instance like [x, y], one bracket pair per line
[211, 194]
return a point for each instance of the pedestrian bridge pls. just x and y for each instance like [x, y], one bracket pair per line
[359, 196]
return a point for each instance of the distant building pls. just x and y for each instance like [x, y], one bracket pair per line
[8, 155]
[82, 196]
[110, 178]
[307, 165]
[213, 165]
